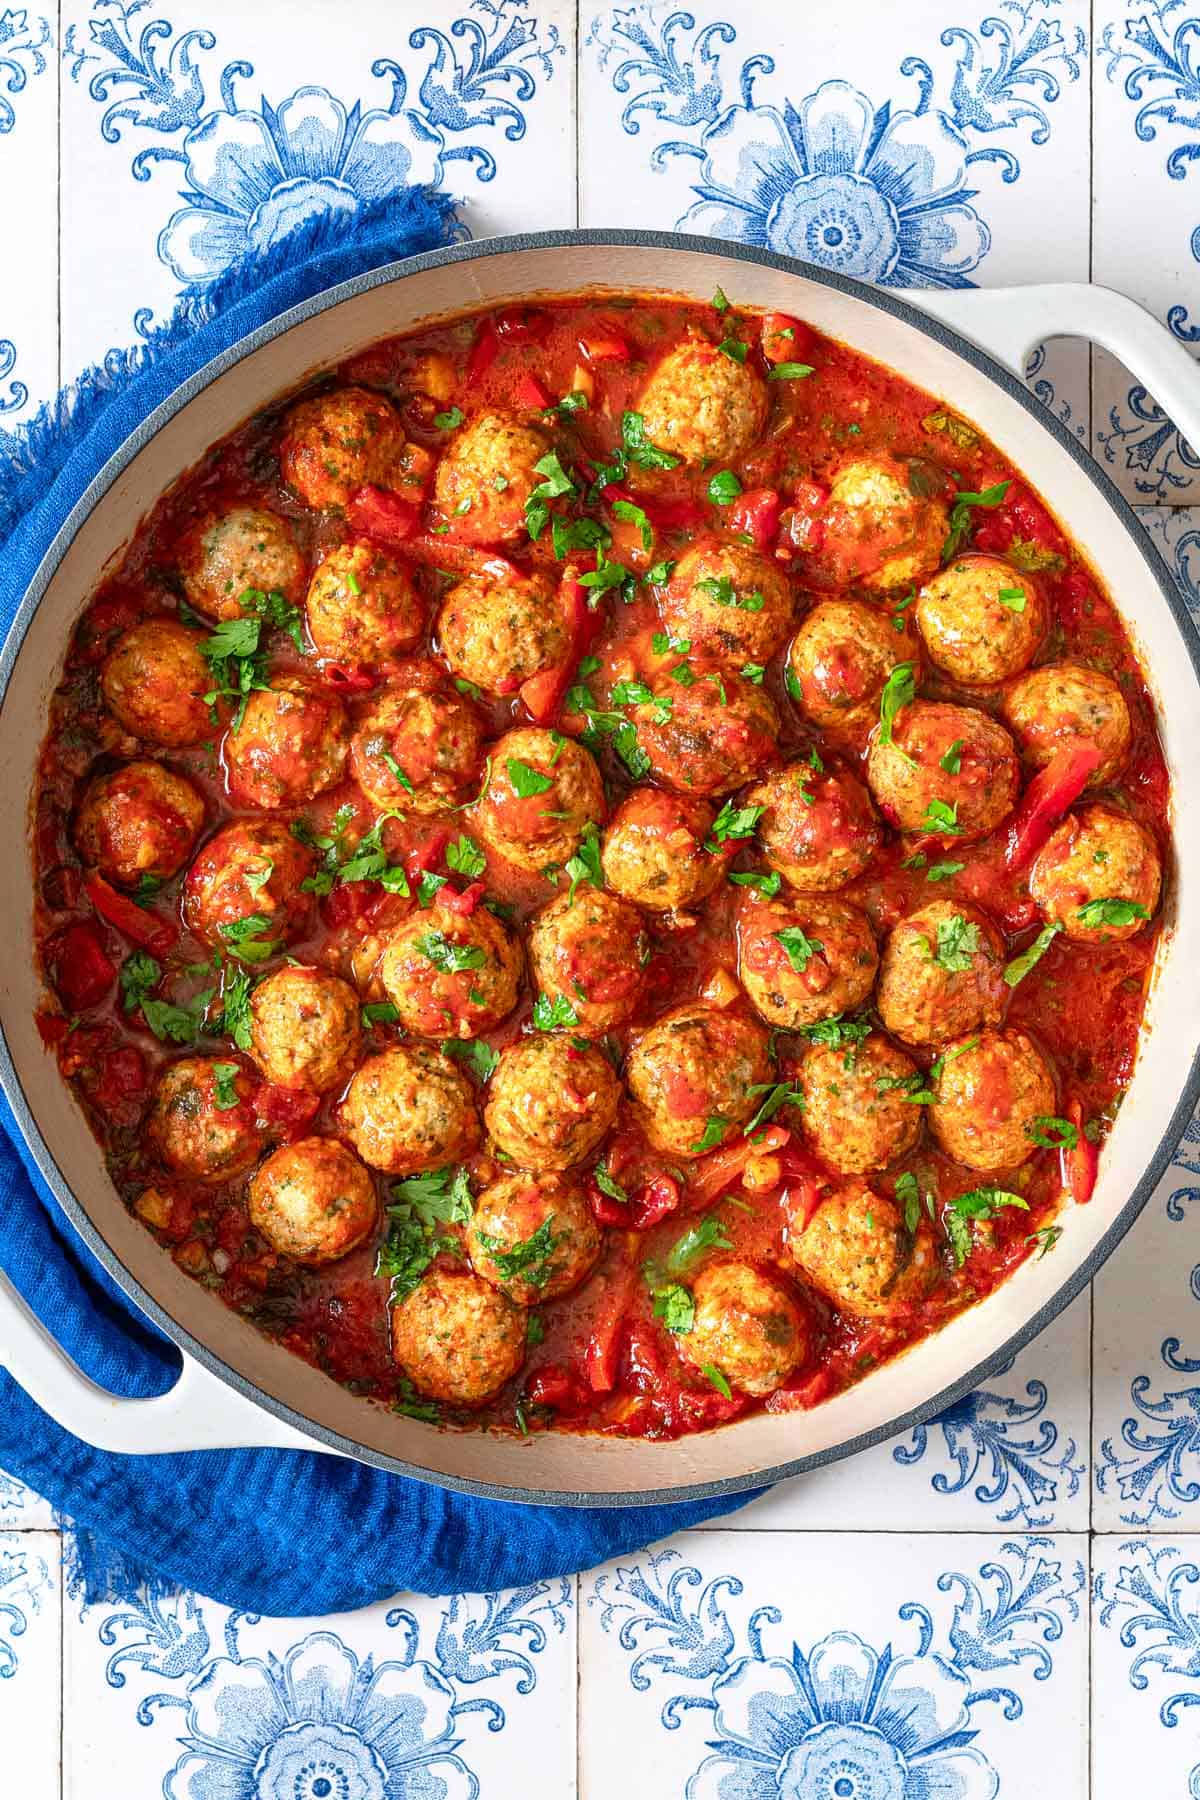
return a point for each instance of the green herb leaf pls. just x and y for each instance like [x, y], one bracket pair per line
[1019, 967]
[734, 348]
[420, 1205]
[733, 823]
[177, 1024]
[1013, 598]
[908, 1194]
[767, 885]
[139, 975]
[674, 1305]
[957, 943]
[450, 958]
[721, 589]
[942, 819]
[225, 1094]
[720, 302]
[960, 515]
[978, 1203]
[715, 1128]
[465, 857]
[235, 1007]
[706, 1234]
[479, 1056]
[1047, 1236]
[789, 371]
[952, 760]
[942, 871]
[899, 691]
[1051, 1133]
[724, 488]
[526, 781]
[530, 1261]
[800, 948]
[379, 1012]
[717, 1378]
[584, 865]
[639, 449]
[553, 1015]
[625, 509]
[836, 1032]
[778, 1093]
[956, 429]
[449, 421]
[1111, 912]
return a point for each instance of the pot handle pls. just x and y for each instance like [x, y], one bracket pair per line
[200, 1412]
[1011, 322]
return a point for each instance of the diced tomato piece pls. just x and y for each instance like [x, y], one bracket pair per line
[1052, 790]
[148, 930]
[374, 512]
[721, 1168]
[785, 339]
[659, 1197]
[463, 904]
[1081, 1162]
[82, 971]
[285, 1111]
[52, 1028]
[803, 1394]
[603, 1353]
[558, 1388]
[530, 392]
[350, 903]
[605, 345]
[756, 514]
[428, 854]
[484, 351]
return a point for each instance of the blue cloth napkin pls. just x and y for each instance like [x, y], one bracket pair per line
[267, 1531]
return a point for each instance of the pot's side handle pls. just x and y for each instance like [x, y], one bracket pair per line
[1010, 322]
[200, 1412]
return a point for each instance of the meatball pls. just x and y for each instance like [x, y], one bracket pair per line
[702, 405]
[747, 1327]
[497, 630]
[858, 1108]
[450, 975]
[485, 476]
[802, 960]
[312, 1201]
[241, 549]
[250, 868]
[728, 602]
[708, 738]
[304, 1029]
[290, 745]
[362, 607]
[840, 661]
[457, 1338]
[877, 531]
[141, 820]
[855, 1250]
[1098, 875]
[338, 442]
[202, 1121]
[818, 827]
[544, 790]
[154, 681]
[942, 974]
[655, 850]
[587, 952]
[950, 771]
[982, 620]
[434, 740]
[989, 1090]
[1065, 704]
[691, 1076]
[533, 1236]
[550, 1101]
[408, 1109]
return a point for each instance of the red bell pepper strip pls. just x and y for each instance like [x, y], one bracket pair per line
[148, 930]
[543, 694]
[1052, 790]
[785, 339]
[659, 1197]
[375, 513]
[721, 1168]
[83, 972]
[558, 1388]
[602, 1355]
[460, 559]
[484, 351]
[1081, 1162]
[756, 513]
[427, 854]
[606, 345]
[529, 392]
[463, 904]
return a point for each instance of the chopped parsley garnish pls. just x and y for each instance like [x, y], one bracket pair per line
[960, 515]
[638, 448]
[556, 482]
[767, 885]
[608, 1184]
[244, 939]
[235, 1007]
[1051, 1133]
[607, 575]
[419, 1207]
[714, 1131]
[480, 1058]
[379, 1012]
[942, 871]
[720, 302]
[526, 781]
[789, 371]
[674, 1305]
[177, 1024]
[724, 488]
[658, 573]
[625, 509]
[718, 1379]
[449, 421]
[1111, 912]
[952, 760]
[799, 947]
[468, 688]
[535, 1331]
[257, 878]
[957, 943]
[584, 865]
[908, 1193]
[225, 1094]
[778, 1093]
[369, 861]
[754, 672]
[733, 823]
[734, 348]
[449, 957]
[140, 973]
[1046, 1236]
[942, 819]
[553, 1015]
[1018, 968]
[465, 857]
[899, 691]
[664, 643]
[396, 772]
[707, 1233]
[577, 534]
[531, 1260]
[979, 1203]
[721, 589]
[836, 1032]
[1013, 598]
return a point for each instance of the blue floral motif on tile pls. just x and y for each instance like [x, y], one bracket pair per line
[843, 1717]
[23, 41]
[1153, 1603]
[1157, 456]
[992, 1440]
[876, 191]
[1155, 53]
[1047, 393]
[17, 393]
[253, 174]
[24, 1581]
[14, 1495]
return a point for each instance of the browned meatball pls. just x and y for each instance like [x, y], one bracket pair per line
[304, 1029]
[457, 1338]
[702, 405]
[587, 952]
[728, 602]
[877, 531]
[691, 1076]
[655, 851]
[408, 1109]
[543, 793]
[251, 868]
[533, 1236]
[982, 620]
[362, 607]
[942, 974]
[497, 631]
[747, 1326]
[1098, 876]
[856, 1251]
[202, 1122]
[988, 1093]
[550, 1101]
[313, 1201]
[290, 745]
[243, 549]
[840, 661]
[949, 771]
[818, 827]
[338, 442]
[417, 752]
[141, 820]
[154, 681]
[1065, 704]
[802, 960]
[708, 738]
[450, 975]
[858, 1107]
[485, 476]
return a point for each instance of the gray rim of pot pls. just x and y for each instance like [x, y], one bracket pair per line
[564, 240]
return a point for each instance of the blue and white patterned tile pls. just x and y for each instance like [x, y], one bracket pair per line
[755, 1668]
[1145, 1669]
[185, 1699]
[195, 129]
[1146, 224]
[21, 1509]
[29, 182]
[30, 1652]
[1011, 1456]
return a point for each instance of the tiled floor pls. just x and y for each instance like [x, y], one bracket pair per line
[932, 1627]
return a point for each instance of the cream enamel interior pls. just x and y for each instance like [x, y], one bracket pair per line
[571, 1465]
